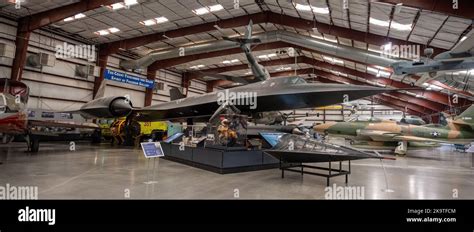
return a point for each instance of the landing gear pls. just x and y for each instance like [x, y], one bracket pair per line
[32, 142]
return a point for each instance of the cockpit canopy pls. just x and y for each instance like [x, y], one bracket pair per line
[15, 89]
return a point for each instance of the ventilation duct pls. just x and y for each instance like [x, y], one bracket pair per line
[308, 42]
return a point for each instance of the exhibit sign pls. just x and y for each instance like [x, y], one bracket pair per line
[152, 149]
[128, 79]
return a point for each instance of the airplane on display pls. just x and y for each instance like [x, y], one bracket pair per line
[459, 130]
[461, 57]
[14, 118]
[260, 94]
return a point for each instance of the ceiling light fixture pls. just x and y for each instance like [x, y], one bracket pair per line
[208, 9]
[151, 22]
[121, 5]
[107, 31]
[77, 16]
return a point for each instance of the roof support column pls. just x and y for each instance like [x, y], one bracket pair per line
[150, 75]
[21, 43]
[185, 82]
[102, 63]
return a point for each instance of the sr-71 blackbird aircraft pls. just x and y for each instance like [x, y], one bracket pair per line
[260, 94]
[460, 130]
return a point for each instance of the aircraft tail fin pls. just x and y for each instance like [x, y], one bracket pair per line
[176, 94]
[466, 117]
[245, 43]
[101, 91]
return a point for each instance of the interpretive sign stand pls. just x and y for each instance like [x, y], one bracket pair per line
[151, 150]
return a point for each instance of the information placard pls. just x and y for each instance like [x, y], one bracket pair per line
[152, 149]
[127, 78]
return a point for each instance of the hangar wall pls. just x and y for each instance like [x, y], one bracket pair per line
[58, 87]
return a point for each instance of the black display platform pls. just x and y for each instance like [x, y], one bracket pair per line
[220, 160]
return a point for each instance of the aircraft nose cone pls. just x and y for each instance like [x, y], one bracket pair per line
[121, 107]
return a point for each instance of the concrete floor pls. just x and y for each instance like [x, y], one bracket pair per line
[105, 172]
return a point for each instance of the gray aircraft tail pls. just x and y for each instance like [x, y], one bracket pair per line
[245, 43]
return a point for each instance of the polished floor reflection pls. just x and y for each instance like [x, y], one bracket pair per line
[105, 172]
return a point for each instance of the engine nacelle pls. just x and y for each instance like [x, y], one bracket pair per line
[107, 107]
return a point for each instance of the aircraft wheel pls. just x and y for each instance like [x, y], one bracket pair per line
[34, 145]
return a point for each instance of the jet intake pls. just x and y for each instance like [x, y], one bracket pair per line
[107, 107]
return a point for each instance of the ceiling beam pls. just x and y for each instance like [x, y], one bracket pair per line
[161, 64]
[36, 21]
[262, 17]
[126, 44]
[30, 23]
[464, 9]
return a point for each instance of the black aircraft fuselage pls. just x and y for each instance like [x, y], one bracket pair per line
[276, 94]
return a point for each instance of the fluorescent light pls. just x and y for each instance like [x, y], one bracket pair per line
[151, 22]
[102, 32]
[201, 11]
[378, 22]
[319, 10]
[283, 68]
[114, 29]
[107, 31]
[130, 2]
[117, 6]
[230, 61]
[267, 56]
[148, 22]
[400, 27]
[77, 16]
[197, 66]
[124, 4]
[302, 7]
[208, 9]
[161, 19]
[217, 7]
[426, 84]
[463, 38]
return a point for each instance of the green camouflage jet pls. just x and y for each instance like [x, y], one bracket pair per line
[459, 130]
